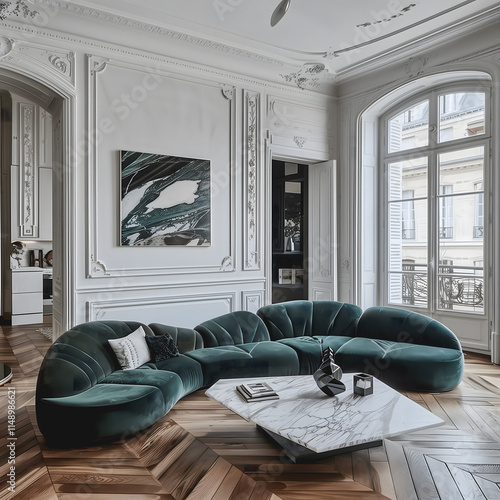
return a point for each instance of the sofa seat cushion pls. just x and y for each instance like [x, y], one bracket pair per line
[403, 366]
[187, 369]
[226, 362]
[106, 412]
[280, 359]
[169, 383]
[310, 350]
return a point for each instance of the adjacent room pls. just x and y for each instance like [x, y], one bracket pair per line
[248, 249]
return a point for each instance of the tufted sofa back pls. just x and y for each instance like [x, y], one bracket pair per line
[399, 325]
[234, 328]
[301, 318]
[81, 358]
[186, 339]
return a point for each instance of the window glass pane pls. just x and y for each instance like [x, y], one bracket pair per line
[408, 175]
[408, 255]
[460, 270]
[461, 171]
[478, 229]
[409, 129]
[461, 114]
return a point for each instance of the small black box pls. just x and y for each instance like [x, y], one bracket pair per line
[363, 384]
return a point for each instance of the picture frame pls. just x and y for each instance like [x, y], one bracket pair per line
[165, 200]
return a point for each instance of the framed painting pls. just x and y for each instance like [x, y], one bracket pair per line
[165, 200]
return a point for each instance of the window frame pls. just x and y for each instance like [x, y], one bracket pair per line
[432, 151]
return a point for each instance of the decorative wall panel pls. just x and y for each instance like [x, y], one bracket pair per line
[185, 311]
[252, 301]
[28, 195]
[251, 179]
[139, 108]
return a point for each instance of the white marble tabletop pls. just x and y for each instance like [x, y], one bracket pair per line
[306, 416]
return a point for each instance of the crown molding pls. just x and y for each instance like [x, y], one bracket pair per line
[291, 64]
[275, 82]
[155, 29]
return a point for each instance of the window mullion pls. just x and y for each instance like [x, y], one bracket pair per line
[433, 228]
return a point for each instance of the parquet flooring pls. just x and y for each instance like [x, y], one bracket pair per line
[202, 451]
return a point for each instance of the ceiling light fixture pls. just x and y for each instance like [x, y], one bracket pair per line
[279, 12]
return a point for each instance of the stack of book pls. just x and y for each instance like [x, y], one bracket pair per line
[256, 391]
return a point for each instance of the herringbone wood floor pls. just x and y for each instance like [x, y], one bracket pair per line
[202, 451]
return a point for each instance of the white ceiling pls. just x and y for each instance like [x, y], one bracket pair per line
[339, 34]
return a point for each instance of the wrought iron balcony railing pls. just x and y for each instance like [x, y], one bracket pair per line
[460, 288]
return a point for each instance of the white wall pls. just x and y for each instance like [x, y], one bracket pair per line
[124, 98]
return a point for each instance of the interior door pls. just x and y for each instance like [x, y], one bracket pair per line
[322, 282]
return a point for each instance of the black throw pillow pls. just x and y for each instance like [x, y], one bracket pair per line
[162, 347]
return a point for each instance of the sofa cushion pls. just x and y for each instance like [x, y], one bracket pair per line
[185, 339]
[403, 366]
[226, 362]
[233, 328]
[301, 318]
[132, 350]
[310, 350]
[280, 359]
[400, 325]
[288, 319]
[162, 347]
[187, 369]
[82, 357]
[169, 383]
[335, 318]
[105, 412]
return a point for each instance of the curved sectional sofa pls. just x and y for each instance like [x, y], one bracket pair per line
[84, 397]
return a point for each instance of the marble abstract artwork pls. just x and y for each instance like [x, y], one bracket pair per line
[305, 415]
[165, 200]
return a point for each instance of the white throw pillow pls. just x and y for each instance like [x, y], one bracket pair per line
[131, 351]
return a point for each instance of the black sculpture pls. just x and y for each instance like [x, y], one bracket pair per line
[328, 375]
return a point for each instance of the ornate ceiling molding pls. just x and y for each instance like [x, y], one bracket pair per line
[158, 30]
[6, 46]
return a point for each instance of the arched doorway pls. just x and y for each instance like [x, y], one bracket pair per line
[56, 98]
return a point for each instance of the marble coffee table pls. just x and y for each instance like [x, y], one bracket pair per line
[308, 425]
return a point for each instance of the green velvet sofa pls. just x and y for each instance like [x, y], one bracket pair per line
[84, 397]
[404, 349]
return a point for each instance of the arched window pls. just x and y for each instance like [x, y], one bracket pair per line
[433, 154]
[425, 172]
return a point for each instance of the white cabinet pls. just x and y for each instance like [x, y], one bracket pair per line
[27, 296]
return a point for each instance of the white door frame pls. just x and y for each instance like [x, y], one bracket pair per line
[12, 78]
[289, 155]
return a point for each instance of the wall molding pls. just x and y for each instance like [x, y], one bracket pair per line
[96, 308]
[28, 195]
[251, 177]
[6, 46]
[96, 266]
[252, 301]
[23, 30]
